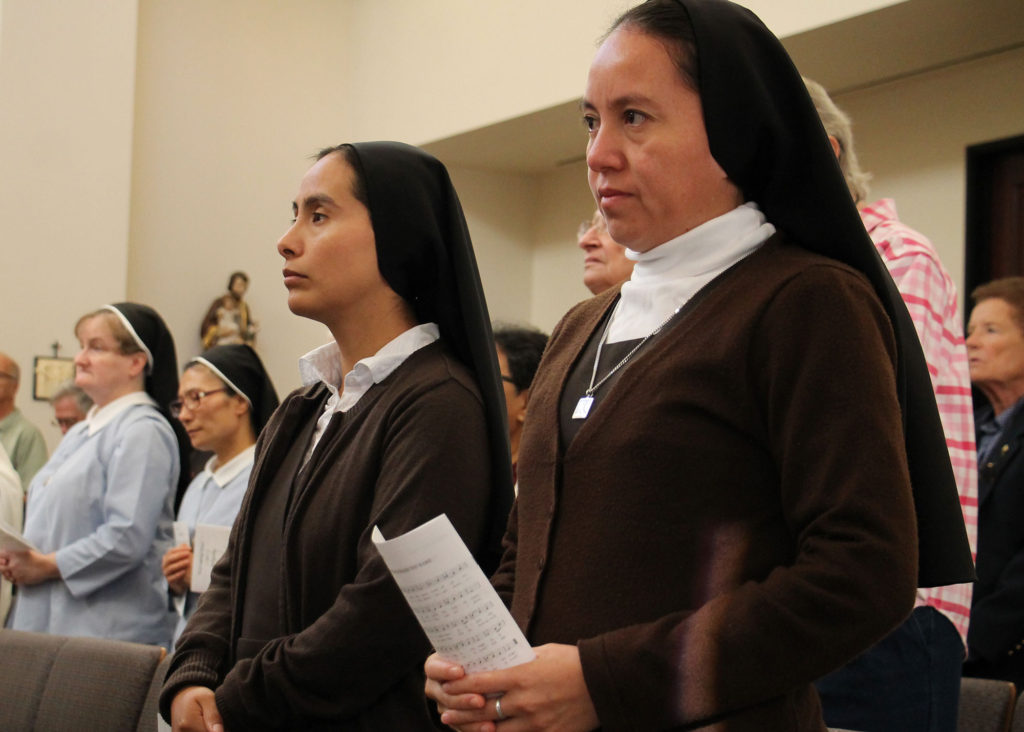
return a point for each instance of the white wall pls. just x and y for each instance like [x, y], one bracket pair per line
[66, 88]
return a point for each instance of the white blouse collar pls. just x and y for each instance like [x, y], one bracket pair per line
[229, 470]
[100, 417]
[668, 275]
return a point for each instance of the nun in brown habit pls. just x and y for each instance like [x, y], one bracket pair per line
[400, 419]
[733, 476]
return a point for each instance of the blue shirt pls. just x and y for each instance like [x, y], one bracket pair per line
[104, 504]
[213, 497]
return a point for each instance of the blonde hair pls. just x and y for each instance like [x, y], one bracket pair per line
[126, 343]
[837, 124]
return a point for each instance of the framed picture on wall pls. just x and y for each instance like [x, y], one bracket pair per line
[50, 373]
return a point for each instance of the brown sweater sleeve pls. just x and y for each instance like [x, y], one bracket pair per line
[821, 361]
[431, 460]
[504, 578]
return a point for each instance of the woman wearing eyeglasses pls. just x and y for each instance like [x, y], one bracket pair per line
[100, 510]
[224, 400]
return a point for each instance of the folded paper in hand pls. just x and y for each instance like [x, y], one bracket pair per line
[207, 549]
[460, 612]
[12, 541]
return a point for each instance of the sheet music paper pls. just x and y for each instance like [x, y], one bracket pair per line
[460, 612]
[207, 548]
[12, 541]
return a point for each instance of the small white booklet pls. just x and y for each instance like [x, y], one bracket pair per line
[12, 541]
[460, 612]
[181, 536]
[208, 547]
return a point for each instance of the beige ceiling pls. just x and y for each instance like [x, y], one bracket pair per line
[897, 41]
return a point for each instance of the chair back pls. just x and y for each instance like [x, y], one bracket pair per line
[56, 683]
[1018, 715]
[986, 705]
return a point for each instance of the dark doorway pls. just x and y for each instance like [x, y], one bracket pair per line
[995, 213]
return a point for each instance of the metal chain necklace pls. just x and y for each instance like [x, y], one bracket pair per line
[587, 400]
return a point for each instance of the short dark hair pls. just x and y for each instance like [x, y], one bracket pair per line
[523, 347]
[359, 178]
[1008, 289]
[668, 21]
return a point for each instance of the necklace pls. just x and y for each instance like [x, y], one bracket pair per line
[587, 400]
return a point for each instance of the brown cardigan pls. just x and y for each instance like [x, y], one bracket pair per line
[349, 652]
[734, 519]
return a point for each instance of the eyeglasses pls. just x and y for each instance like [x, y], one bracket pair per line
[66, 422]
[190, 399]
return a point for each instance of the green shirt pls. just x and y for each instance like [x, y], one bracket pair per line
[24, 444]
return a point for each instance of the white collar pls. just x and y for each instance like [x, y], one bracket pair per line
[668, 275]
[229, 470]
[100, 417]
[324, 364]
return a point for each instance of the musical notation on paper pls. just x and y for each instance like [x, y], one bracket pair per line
[460, 612]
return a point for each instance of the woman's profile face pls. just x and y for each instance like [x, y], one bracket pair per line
[650, 167]
[604, 263]
[329, 251]
[101, 370]
[995, 346]
[213, 419]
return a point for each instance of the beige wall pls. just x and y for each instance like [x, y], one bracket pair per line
[233, 97]
[494, 204]
[149, 147]
[913, 134]
[565, 201]
[456, 65]
[66, 88]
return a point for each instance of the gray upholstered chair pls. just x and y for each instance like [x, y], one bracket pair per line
[1018, 715]
[150, 710]
[986, 705]
[55, 683]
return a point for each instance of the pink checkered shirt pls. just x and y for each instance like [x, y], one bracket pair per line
[930, 296]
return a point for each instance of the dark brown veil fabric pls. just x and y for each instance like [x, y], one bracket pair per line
[425, 254]
[765, 133]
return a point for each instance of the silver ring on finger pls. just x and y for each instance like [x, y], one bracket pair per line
[497, 709]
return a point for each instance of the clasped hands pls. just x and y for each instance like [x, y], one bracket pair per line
[548, 693]
[28, 567]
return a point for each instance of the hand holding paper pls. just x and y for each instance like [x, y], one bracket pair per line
[12, 541]
[454, 602]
